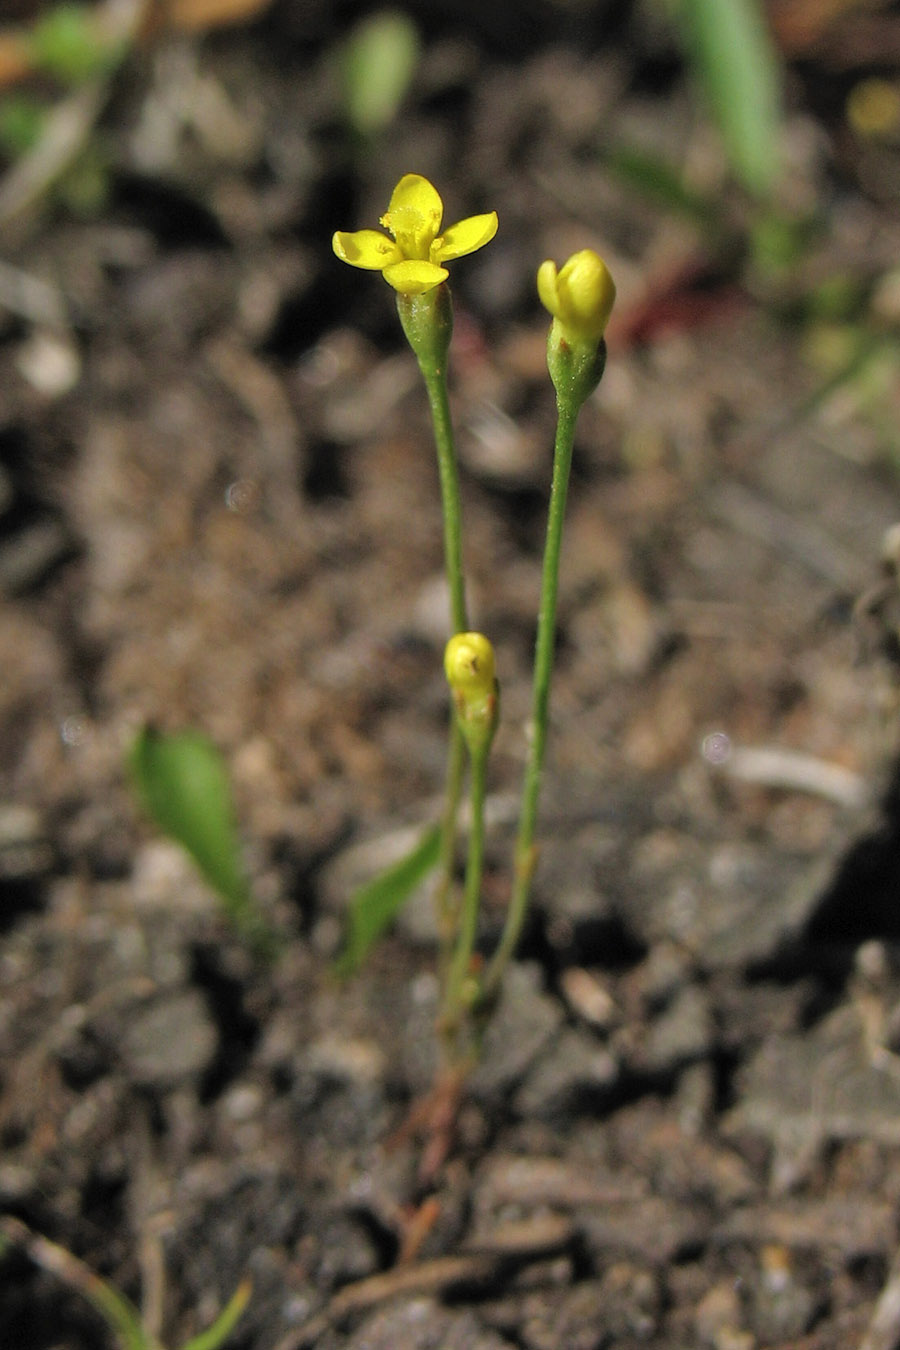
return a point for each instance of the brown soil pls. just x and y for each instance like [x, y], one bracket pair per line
[220, 510]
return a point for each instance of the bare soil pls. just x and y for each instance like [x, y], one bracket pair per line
[220, 510]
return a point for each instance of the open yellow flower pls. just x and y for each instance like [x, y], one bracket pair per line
[580, 296]
[411, 260]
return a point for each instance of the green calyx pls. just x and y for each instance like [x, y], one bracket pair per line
[576, 365]
[477, 716]
[427, 321]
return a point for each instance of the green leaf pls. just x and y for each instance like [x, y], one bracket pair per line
[22, 120]
[650, 175]
[225, 1323]
[736, 62]
[377, 63]
[119, 1313]
[67, 43]
[183, 784]
[375, 905]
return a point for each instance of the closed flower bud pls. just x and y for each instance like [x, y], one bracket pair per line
[470, 670]
[580, 295]
[469, 664]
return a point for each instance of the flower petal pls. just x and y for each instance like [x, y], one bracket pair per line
[415, 193]
[414, 216]
[414, 277]
[366, 248]
[464, 237]
[586, 293]
[547, 288]
[580, 296]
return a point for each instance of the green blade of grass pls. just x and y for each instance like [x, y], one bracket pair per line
[119, 1313]
[222, 1327]
[656, 180]
[375, 905]
[736, 62]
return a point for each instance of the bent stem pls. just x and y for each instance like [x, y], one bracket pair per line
[526, 851]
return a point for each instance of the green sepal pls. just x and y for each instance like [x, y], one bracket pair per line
[477, 717]
[576, 366]
[427, 321]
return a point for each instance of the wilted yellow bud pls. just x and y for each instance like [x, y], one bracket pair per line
[469, 665]
[580, 296]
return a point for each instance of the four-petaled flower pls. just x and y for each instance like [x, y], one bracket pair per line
[580, 296]
[411, 260]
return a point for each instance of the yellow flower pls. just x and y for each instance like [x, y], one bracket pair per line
[411, 260]
[580, 296]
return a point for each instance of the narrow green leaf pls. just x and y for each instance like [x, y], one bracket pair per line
[183, 784]
[736, 62]
[374, 906]
[377, 63]
[655, 179]
[119, 1313]
[222, 1327]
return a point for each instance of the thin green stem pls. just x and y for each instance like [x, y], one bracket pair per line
[455, 1003]
[427, 321]
[444, 909]
[436, 386]
[526, 854]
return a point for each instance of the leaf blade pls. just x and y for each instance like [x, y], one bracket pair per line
[737, 64]
[374, 905]
[183, 784]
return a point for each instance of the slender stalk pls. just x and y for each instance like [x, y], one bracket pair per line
[455, 1002]
[526, 852]
[427, 321]
[444, 908]
[436, 386]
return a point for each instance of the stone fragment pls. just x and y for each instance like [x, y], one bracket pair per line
[169, 1040]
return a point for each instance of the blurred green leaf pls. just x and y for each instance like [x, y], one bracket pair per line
[375, 905]
[225, 1323]
[66, 43]
[22, 119]
[377, 63]
[183, 784]
[119, 1313]
[734, 56]
[655, 179]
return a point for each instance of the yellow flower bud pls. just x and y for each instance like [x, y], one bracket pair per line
[580, 296]
[469, 665]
